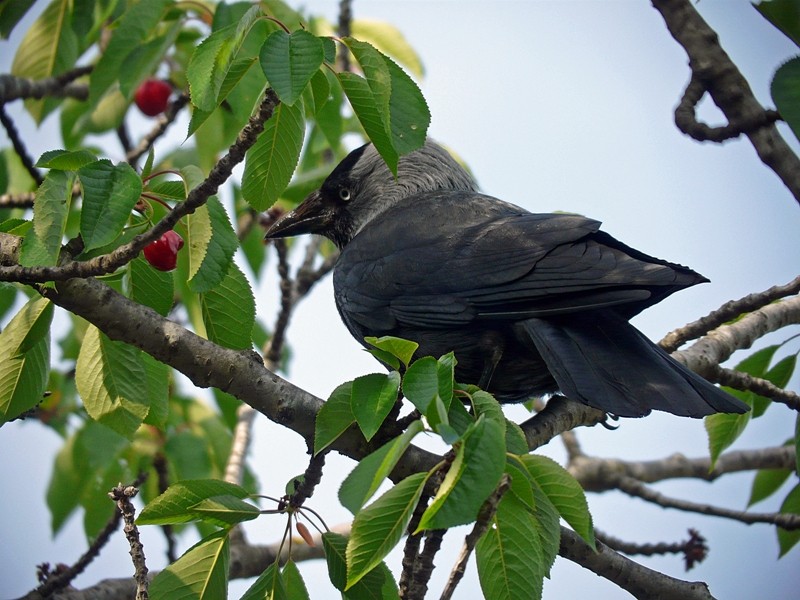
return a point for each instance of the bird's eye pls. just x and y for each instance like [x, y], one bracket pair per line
[344, 194]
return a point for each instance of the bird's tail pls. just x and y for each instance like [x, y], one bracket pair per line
[605, 362]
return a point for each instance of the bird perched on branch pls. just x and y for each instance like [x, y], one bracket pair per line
[529, 303]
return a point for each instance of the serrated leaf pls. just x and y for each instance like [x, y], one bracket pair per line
[229, 311]
[150, 286]
[225, 510]
[129, 32]
[473, 476]
[268, 586]
[363, 481]
[289, 60]
[109, 195]
[389, 40]
[293, 580]
[208, 68]
[176, 504]
[378, 584]
[372, 398]
[25, 358]
[409, 115]
[509, 555]
[212, 243]
[785, 91]
[236, 72]
[368, 111]
[64, 160]
[398, 347]
[379, 527]
[112, 381]
[145, 58]
[42, 244]
[335, 416]
[272, 159]
[421, 382]
[766, 482]
[791, 505]
[564, 491]
[49, 48]
[201, 573]
[723, 429]
[783, 14]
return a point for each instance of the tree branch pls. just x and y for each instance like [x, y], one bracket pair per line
[728, 88]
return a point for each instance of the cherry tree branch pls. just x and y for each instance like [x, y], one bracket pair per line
[713, 68]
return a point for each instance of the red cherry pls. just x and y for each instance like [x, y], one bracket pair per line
[163, 253]
[151, 97]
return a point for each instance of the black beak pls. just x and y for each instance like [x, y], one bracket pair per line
[310, 216]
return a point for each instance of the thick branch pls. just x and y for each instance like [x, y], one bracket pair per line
[728, 87]
[638, 580]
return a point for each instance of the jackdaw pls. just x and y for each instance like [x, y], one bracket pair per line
[530, 303]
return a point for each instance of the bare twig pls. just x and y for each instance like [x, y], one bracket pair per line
[163, 122]
[762, 387]
[19, 146]
[234, 469]
[727, 312]
[638, 489]
[559, 415]
[22, 200]
[122, 496]
[694, 549]
[15, 88]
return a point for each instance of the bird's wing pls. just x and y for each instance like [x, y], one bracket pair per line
[453, 257]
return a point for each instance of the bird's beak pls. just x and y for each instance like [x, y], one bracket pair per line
[310, 216]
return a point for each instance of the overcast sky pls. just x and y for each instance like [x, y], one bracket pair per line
[554, 106]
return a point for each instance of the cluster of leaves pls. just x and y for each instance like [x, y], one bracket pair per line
[785, 87]
[513, 556]
[724, 429]
[116, 406]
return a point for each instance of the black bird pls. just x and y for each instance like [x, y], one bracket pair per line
[529, 303]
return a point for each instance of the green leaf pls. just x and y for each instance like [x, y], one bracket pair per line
[363, 481]
[373, 397]
[723, 429]
[767, 482]
[564, 491]
[177, 504]
[10, 14]
[42, 244]
[130, 31]
[293, 580]
[785, 91]
[225, 510]
[158, 384]
[408, 111]
[369, 113]
[783, 14]
[509, 555]
[150, 286]
[421, 382]
[335, 416]
[112, 381]
[388, 39]
[202, 572]
[109, 195]
[49, 48]
[85, 468]
[269, 586]
[791, 505]
[145, 58]
[380, 526]
[64, 160]
[516, 442]
[238, 69]
[377, 584]
[211, 61]
[289, 60]
[25, 358]
[273, 158]
[229, 311]
[212, 242]
[397, 347]
[472, 477]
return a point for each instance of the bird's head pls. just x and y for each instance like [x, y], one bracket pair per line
[361, 187]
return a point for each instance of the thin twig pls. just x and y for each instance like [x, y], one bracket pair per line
[694, 549]
[636, 488]
[19, 147]
[122, 496]
[164, 121]
[727, 312]
[762, 387]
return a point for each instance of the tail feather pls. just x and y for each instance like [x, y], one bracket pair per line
[605, 362]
